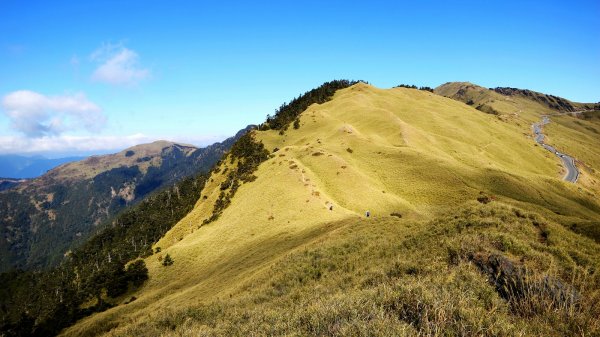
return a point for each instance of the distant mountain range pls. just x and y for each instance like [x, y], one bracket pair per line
[7, 183]
[16, 166]
[42, 218]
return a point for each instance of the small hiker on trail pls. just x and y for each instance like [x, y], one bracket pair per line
[368, 214]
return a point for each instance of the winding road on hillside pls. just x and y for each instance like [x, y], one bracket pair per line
[568, 162]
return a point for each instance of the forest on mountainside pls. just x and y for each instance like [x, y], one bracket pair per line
[41, 303]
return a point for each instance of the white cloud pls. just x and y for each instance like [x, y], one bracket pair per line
[69, 144]
[37, 115]
[118, 65]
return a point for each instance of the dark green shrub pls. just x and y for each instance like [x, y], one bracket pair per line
[167, 261]
[137, 273]
[483, 198]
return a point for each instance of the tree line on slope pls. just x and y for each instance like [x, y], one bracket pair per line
[289, 112]
[246, 154]
[412, 86]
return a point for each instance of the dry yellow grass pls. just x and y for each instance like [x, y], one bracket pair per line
[397, 150]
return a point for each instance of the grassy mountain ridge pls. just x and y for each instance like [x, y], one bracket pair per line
[478, 96]
[551, 101]
[400, 151]
[41, 219]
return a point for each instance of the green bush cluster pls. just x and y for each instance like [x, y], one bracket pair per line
[167, 261]
[487, 109]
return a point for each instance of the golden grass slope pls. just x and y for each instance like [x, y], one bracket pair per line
[399, 150]
[567, 132]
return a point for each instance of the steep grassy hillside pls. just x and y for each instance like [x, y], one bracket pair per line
[402, 152]
[41, 219]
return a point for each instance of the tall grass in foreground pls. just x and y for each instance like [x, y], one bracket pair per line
[394, 277]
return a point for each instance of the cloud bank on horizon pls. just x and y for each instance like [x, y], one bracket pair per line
[66, 145]
[36, 115]
[47, 123]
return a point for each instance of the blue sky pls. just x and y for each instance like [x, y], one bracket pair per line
[83, 77]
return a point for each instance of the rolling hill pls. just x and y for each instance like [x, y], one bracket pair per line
[469, 233]
[41, 219]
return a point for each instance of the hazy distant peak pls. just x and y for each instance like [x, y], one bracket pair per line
[449, 89]
[154, 147]
[474, 94]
